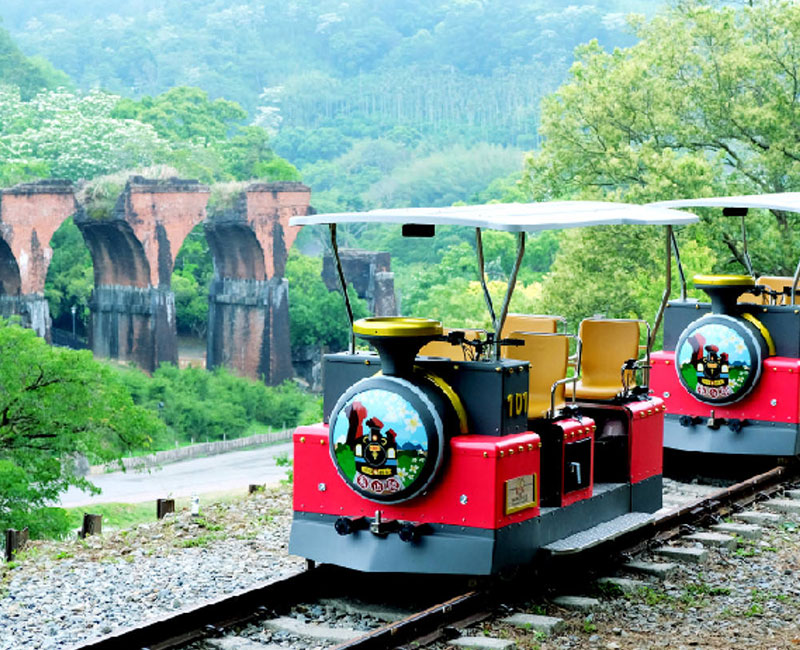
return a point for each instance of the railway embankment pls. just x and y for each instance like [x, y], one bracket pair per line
[739, 588]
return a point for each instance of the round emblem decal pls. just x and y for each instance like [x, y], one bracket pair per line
[385, 444]
[718, 359]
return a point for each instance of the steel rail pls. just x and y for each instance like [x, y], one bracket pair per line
[211, 618]
[742, 493]
[432, 624]
[440, 621]
[425, 623]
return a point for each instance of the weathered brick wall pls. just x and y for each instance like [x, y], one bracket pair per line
[134, 251]
[248, 318]
[369, 273]
[29, 215]
[134, 324]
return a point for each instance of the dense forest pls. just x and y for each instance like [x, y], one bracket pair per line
[393, 103]
[371, 104]
[366, 98]
[406, 103]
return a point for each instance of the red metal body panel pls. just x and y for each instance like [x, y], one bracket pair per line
[779, 382]
[476, 467]
[576, 429]
[646, 438]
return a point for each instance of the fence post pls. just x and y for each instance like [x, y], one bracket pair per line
[164, 507]
[92, 525]
[15, 540]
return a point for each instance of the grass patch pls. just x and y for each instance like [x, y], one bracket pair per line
[115, 515]
[128, 515]
[202, 540]
[652, 597]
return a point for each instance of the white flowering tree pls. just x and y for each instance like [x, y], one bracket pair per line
[67, 135]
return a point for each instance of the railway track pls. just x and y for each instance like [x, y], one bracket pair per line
[323, 593]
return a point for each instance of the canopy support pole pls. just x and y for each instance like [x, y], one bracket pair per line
[665, 296]
[482, 275]
[680, 266]
[794, 282]
[512, 281]
[343, 285]
[745, 254]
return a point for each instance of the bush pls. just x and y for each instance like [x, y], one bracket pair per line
[200, 405]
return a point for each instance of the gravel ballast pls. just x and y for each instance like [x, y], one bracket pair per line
[748, 597]
[61, 593]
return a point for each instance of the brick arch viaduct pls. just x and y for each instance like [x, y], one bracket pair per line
[133, 251]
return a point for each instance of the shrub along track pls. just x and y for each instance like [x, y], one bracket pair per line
[449, 605]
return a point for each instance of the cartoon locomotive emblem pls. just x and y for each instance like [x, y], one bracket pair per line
[380, 443]
[713, 371]
[715, 362]
[375, 452]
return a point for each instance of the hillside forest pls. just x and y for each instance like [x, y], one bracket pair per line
[404, 103]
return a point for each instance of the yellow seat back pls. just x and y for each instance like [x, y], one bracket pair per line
[548, 356]
[606, 345]
[444, 349]
[528, 323]
[774, 282]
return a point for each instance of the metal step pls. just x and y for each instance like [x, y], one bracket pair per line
[598, 534]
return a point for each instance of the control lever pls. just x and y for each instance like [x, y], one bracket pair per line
[575, 468]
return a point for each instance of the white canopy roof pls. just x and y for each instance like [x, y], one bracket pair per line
[788, 201]
[513, 217]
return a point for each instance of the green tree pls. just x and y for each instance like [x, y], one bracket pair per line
[70, 279]
[29, 75]
[445, 177]
[184, 114]
[704, 104]
[56, 403]
[207, 138]
[190, 280]
[72, 136]
[317, 316]
[198, 405]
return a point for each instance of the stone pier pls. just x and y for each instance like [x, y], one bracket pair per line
[248, 318]
[369, 273]
[133, 250]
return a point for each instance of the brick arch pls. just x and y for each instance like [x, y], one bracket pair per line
[236, 251]
[248, 317]
[29, 215]
[133, 250]
[118, 256]
[10, 283]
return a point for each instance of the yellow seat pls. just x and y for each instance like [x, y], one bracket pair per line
[529, 323]
[444, 349]
[774, 282]
[750, 299]
[548, 356]
[607, 345]
[777, 283]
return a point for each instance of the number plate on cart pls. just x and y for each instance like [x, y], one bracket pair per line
[520, 493]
